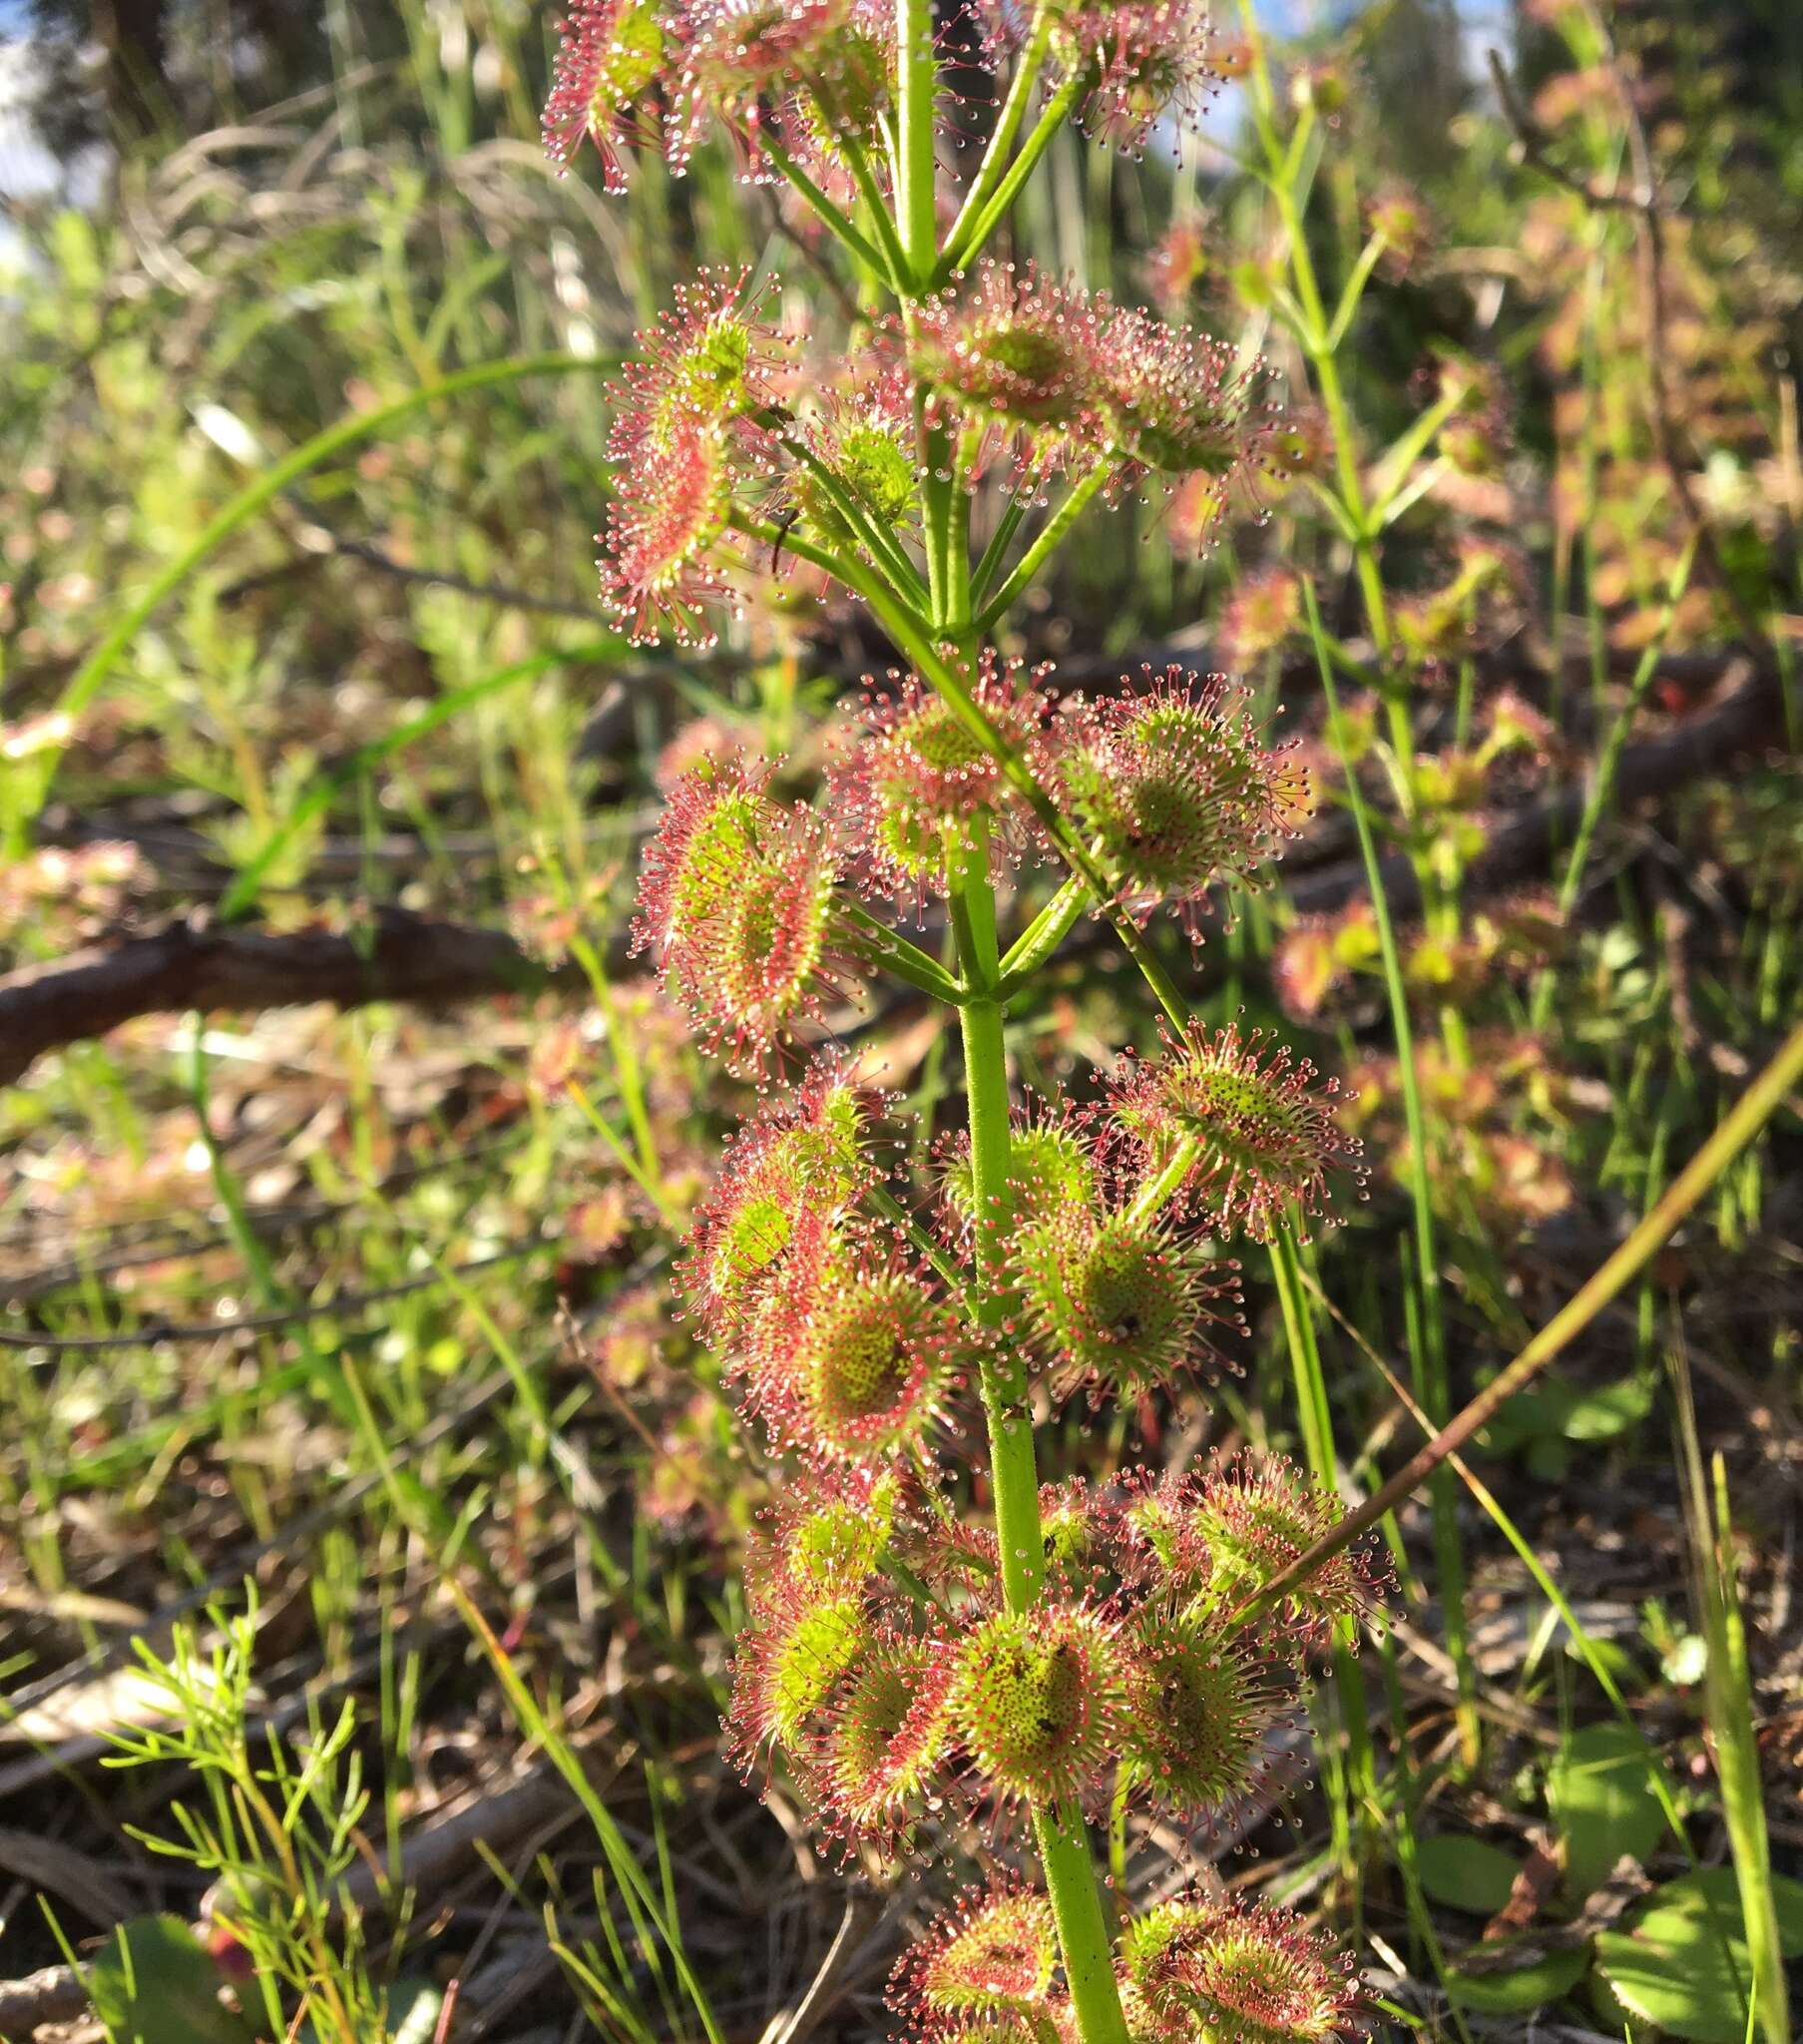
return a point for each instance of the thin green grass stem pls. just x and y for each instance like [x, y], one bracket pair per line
[1603, 778]
[1742, 1123]
[1728, 1693]
[323, 790]
[1354, 1777]
[1426, 1350]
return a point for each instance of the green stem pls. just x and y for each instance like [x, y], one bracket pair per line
[1319, 346]
[958, 582]
[1083, 1930]
[1008, 125]
[1151, 1198]
[622, 1156]
[938, 491]
[1056, 109]
[1431, 1362]
[915, 163]
[1004, 1379]
[1083, 1936]
[1035, 556]
[1393, 467]
[1355, 288]
[1354, 1774]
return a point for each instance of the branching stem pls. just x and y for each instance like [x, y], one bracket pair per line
[994, 165]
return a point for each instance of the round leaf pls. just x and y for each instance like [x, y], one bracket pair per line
[1465, 1873]
[1601, 1415]
[1680, 1970]
[1717, 1887]
[1531, 1986]
[1602, 1795]
[154, 1980]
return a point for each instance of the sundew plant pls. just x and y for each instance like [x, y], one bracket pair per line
[1086, 1648]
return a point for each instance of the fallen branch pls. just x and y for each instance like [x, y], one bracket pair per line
[187, 964]
[406, 958]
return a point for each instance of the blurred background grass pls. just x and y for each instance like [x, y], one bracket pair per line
[488, 1491]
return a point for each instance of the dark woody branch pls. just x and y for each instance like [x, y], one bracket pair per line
[399, 956]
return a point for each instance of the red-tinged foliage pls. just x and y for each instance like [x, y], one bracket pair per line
[716, 816]
[661, 565]
[889, 1739]
[1263, 1139]
[688, 445]
[1256, 1514]
[990, 1960]
[802, 1157]
[736, 900]
[1013, 346]
[1037, 1701]
[735, 53]
[907, 1677]
[911, 780]
[711, 361]
[1143, 63]
[789, 1660]
[1164, 1552]
[1235, 1973]
[853, 1355]
[1174, 787]
[1120, 1305]
[1183, 405]
[1261, 614]
[1202, 1707]
[610, 57]
[828, 1535]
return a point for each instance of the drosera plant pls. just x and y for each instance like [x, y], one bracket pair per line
[1081, 1650]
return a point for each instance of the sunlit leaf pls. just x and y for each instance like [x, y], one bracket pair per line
[1602, 1795]
[1465, 1874]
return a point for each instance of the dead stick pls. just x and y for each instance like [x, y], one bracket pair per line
[58, 1994]
[398, 957]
